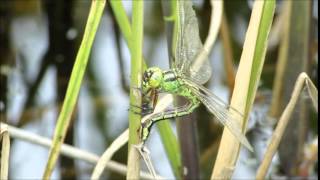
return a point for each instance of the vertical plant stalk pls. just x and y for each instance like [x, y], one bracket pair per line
[166, 132]
[5, 151]
[247, 79]
[135, 82]
[73, 89]
[283, 122]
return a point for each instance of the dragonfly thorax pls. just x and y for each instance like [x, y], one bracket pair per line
[171, 82]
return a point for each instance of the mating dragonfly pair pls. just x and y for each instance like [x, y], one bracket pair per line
[185, 79]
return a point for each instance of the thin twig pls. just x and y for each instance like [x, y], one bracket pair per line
[216, 17]
[106, 156]
[68, 150]
[4, 152]
[282, 124]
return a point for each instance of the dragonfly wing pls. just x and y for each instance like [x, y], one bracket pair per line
[180, 59]
[189, 45]
[221, 110]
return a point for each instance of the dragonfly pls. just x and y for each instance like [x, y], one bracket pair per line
[186, 79]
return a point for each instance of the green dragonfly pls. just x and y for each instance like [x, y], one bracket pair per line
[186, 78]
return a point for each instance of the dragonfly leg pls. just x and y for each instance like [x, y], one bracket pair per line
[178, 112]
[134, 111]
[137, 89]
[140, 90]
[148, 104]
[143, 110]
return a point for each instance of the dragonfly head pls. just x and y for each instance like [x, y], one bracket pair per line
[152, 78]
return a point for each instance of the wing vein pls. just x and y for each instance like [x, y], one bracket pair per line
[221, 110]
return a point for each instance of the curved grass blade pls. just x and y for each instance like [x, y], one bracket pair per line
[74, 85]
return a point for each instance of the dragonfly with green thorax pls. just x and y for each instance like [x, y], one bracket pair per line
[186, 78]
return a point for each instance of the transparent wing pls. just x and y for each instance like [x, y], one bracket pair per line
[221, 111]
[189, 45]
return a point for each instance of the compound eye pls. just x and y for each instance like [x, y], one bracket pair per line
[146, 76]
[155, 79]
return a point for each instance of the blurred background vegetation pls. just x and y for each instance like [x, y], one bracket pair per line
[38, 44]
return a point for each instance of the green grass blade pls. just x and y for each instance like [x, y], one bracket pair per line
[74, 85]
[171, 146]
[247, 79]
[122, 20]
[259, 54]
